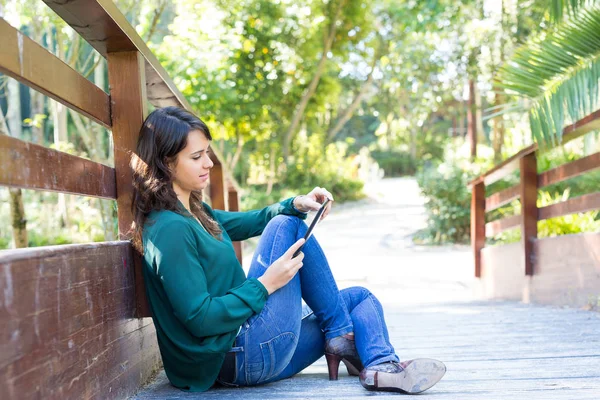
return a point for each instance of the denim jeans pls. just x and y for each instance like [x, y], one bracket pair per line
[286, 337]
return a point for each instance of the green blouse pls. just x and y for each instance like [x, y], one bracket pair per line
[197, 290]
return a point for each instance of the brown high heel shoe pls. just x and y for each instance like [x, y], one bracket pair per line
[342, 348]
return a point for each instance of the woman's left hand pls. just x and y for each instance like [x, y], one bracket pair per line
[313, 200]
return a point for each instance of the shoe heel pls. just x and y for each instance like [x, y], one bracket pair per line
[333, 365]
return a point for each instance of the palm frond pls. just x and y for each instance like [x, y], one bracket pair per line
[558, 73]
[560, 8]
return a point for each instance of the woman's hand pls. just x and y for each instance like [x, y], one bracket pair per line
[313, 201]
[283, 270]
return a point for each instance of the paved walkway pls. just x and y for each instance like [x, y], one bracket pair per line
[493, 350]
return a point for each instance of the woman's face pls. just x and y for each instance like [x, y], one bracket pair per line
[193, 163]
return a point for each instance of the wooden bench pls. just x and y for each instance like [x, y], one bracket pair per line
[563, 270]
[74, 319]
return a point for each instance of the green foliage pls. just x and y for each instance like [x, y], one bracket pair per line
[558, 73]
[331, 168]
[448, 205]
[395, 162]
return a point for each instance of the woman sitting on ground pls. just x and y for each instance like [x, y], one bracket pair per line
[214, 324]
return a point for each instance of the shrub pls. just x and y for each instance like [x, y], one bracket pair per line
[395, 162]
[448, 205]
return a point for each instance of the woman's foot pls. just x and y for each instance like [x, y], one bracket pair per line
[414, 376]
[342, 348]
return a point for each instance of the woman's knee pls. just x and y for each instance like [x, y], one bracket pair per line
[356, 291]
[284, 221]
[354, 295]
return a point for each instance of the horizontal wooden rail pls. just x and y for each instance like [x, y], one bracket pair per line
[500, 225]
[72, 307]
[587, 124]
[501, 198]
[107, 30]
[504, 168]
[31, 166]
[28, 62]
[587, 202]
[570, 170]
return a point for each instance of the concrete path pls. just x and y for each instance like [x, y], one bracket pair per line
[493, 350]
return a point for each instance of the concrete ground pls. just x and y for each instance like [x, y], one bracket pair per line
[492, 349]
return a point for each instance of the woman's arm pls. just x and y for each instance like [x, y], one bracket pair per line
[177, 266]
[244, 225]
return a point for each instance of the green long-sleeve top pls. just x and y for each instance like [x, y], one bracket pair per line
[197, 289]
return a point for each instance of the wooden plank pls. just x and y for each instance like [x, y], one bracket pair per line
[233, 205]
[478, 224]
[28, 62]
[587, 124]
[30, 166]
[67, 323]
[501, 198]
[107, 30]
[587, 202]
[529, 211]
[570, 170]
[127, 92]
[217, 187]
[500, 225]
[504, 168]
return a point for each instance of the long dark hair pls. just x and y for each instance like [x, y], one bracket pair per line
[163, 135]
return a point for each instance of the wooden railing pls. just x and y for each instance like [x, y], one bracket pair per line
[527, 190]
[70, 321]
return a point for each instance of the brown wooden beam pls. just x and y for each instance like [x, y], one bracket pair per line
[478, 224]
[233, 200]
[587, 124]
[587, 202]
[500, 225]
[127, 91]
[501, 198]
[529, 211]
[72, 308]
[30, 166]
[504, 168]
[107, 30]
[28, 62]
[570, 170]
[217, 188]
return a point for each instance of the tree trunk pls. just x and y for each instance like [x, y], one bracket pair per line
[13, 125]
[350, 110]
[472, 120]
[238, 152]
[271, 177]
[312, 87]
[499, 131]
[413, 143]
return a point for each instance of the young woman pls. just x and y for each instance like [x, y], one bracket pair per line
[214, 324]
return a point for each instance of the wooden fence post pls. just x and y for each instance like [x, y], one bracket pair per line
[217, 187]
[128, 109]
[233, 200]
[478, 224]
[529, 210]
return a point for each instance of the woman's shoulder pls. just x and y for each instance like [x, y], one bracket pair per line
[159, 218]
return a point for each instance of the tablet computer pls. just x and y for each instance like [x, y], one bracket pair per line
[312, 225]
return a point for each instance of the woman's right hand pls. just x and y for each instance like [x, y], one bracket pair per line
[284, 269]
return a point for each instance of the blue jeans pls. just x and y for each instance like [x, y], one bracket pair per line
[286, 337]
